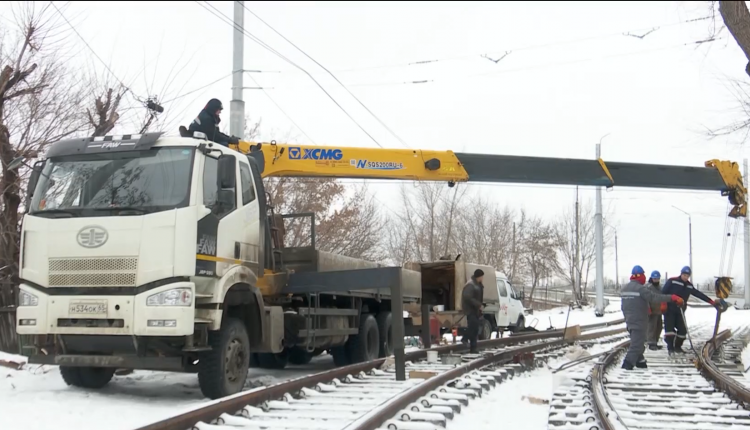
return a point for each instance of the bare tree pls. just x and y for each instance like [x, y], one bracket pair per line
[565, 228]
[40, 102]
[736, 17]
[538, 251]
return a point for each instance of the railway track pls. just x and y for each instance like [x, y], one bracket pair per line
[366, 395]
[700, 391]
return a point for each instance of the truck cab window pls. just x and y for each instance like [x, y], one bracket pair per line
[248, 191]
[501, 288]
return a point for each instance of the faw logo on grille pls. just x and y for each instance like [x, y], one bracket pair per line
[92, 236]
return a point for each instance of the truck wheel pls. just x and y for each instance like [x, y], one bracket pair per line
[270, 360]
[299, 356]
[87, 377]
[386, 334]
[365, 345]
[486, 329]
[520, 324]
[340, 357]
[223, 370]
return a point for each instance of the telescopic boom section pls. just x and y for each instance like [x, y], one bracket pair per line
[282, 160]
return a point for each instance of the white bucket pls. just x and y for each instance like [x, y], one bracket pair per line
[439, 308]
[432, 356]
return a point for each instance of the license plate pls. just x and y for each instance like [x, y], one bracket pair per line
[88, 307]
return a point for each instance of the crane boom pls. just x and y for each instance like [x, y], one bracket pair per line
[284, 160]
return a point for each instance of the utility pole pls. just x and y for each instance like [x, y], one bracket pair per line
[617, 266]
[690, 241]
[599, 225]
[746, 239]
[513, 261]
[237, 105]
[577, 281]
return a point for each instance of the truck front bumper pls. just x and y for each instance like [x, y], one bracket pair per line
[115, 361]
[105, 314]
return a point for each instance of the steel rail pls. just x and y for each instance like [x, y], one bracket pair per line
[601, 400]
[704, 363]
[232, 404]
[383, 414]
[710, 371]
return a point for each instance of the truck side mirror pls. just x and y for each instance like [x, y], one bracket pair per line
[227, 172]
[225, 200]
[36, 172]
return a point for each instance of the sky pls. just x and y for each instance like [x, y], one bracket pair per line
[571, 75]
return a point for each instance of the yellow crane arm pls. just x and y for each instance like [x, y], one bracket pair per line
[284, 160]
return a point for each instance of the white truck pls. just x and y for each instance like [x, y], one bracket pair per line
[442, 284]
[160, 253]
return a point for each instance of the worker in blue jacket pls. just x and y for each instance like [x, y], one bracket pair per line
[674, 324]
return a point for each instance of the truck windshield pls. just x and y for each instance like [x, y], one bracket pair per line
[138, 182]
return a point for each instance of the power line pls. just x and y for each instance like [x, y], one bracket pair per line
[539, 66]
[329, 72]
[506, 52]
[280, 108]
[198, 89]
[264, 45]
[127, 89]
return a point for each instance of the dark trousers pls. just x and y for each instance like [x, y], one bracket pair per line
[674, 329]
[472, 331]
[637, 346]
[654, 328]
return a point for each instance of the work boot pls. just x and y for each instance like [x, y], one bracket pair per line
[653, 347]
[626, 365]
[641, 365]
[678, 345]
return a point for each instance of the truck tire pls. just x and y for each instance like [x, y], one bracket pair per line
[299, 356]
[340, 356]
[520, 324]
[223, 370]
[365, 345]
[87, 377]
[270, 360]
[485, 331]
[385, 320]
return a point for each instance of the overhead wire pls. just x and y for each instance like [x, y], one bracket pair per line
[281, 109]
[264, 45]
[521, 48]
[330, 73]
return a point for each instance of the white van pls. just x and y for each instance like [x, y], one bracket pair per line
[442, 285]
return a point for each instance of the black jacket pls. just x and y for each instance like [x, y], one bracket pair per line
[472, 297]
[683, 289]
[208, 122]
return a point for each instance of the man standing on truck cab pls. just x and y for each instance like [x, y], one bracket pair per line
[208, 121]
[471, 303]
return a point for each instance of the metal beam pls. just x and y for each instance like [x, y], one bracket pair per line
[569, 171]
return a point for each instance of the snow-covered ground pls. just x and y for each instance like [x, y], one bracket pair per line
[35, 397]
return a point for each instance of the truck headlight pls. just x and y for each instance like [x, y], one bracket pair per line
[173, 297]
[27, 299]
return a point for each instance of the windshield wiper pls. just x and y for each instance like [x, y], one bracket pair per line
[53, 212]
[121, 209]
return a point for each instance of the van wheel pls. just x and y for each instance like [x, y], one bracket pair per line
[385, 320]
[485, 329]
[222, 370]
[365, 345]
[520, 324]
[299, 356]
[87, 377]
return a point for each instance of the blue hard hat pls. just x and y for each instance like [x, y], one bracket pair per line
[655, 274]
[637, 270]
[685, 270]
